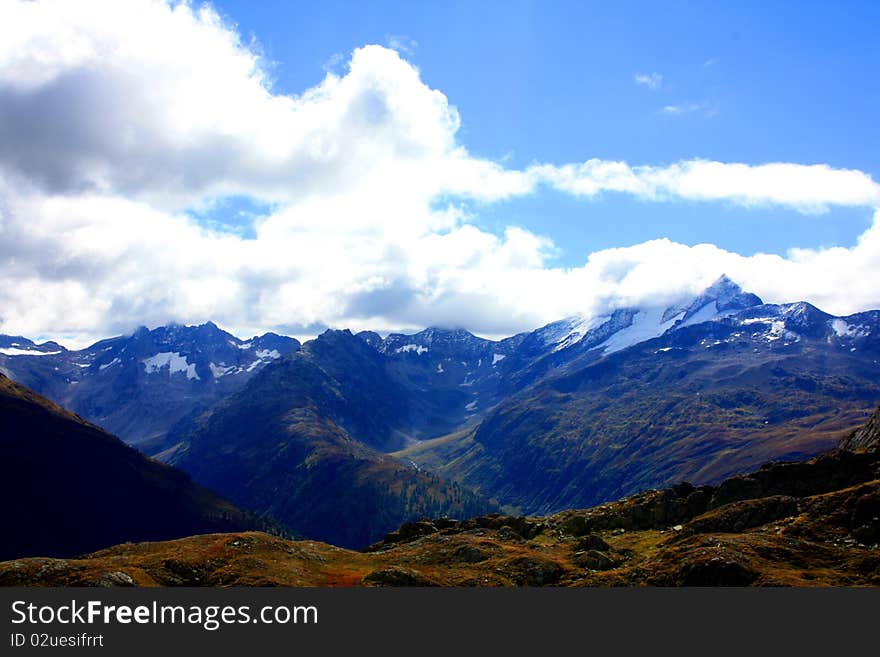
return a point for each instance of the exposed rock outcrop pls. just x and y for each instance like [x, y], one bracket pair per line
[865, 438]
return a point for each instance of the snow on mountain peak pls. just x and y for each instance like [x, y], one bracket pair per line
[727, 297]
[646, 324]
[628, 326]
[568, 331]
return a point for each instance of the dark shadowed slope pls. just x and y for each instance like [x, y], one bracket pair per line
[68, 487]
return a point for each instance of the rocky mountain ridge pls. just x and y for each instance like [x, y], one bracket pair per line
[138, 386]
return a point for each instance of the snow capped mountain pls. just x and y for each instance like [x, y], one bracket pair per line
[442, 340]
[138, 386]
[472, 374]
[629, 326]
[452, 354]
[727, 297]
[16, 345]
[456, 374]
[649, 396]
[197, 353]
[566, 332]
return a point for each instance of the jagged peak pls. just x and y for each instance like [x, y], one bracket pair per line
[428, 335]
[436, 331]
[332, 333]
[371, 338]
[727, 296]
[799, 308]
[723, 283]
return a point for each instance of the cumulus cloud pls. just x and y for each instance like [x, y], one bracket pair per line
[109, 142]
[167, 104]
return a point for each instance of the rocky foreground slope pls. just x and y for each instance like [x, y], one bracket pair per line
[815, 523]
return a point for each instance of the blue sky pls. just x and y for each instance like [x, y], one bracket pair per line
[555, 82]
[395, 165]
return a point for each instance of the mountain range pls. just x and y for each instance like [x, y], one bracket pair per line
[701, 401]
[138, 386]
[304, 443]
[345, 437]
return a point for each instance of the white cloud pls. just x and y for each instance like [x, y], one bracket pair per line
[106, 140]
[403, 44]
[806, 188]
[165, 103]
[652, 80]
[702, 107]
[333, 62]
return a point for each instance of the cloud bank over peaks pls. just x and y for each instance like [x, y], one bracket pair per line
[117, 118]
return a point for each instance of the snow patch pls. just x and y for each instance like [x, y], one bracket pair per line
[113, 362]
[265, 353]
[705, 314]
[778, 330]
[419, 349]
[497, 358]
[220, 370]
[471, 407]
[245, 345]
[569, 331]
[439, 368]
[173, 361]
[645, 325]
[843, 330]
